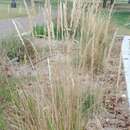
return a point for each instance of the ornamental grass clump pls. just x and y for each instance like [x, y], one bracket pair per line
[63, 97]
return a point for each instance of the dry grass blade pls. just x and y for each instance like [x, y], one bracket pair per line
[64, 96]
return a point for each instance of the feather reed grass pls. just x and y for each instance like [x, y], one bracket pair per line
[63, 101]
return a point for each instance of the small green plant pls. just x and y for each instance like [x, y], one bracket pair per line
[39, 31]
[13, 48]
[7, 91]
[2, 121]
[10, 46]
[54, 3]
[27, 52]
[88, 103]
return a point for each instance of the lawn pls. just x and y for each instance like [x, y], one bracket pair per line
[121, 18]
[122, 21]
[7, 12]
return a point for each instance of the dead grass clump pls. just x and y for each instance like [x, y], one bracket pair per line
[27, 52]
[62, 104]
[65, 101]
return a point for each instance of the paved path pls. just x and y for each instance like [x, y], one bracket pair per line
[126, 62]
[7, 27]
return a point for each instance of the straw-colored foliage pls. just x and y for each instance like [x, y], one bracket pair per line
[66, 96]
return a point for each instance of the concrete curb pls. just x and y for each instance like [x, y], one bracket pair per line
[126, 62]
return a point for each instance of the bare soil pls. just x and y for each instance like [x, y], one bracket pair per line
[116, 113]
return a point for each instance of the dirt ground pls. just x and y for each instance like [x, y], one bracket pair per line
[116, 113]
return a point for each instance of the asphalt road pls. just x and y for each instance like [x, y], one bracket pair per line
[7, 27]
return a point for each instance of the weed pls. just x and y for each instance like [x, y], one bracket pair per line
[13, 48]
[39, 31]
[7, 92]
[88, 102]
